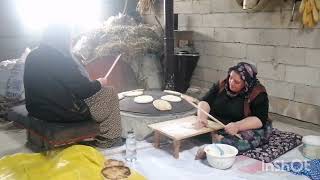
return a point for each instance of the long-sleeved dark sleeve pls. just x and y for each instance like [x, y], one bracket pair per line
[260, 107]
[72, 77]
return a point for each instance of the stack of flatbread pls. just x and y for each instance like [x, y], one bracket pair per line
[115, 169]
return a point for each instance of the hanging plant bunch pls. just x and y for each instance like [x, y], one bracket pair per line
[310, 12]
[253, 5]
[144, 6]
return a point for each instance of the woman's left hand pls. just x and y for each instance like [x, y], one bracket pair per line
[231, 128]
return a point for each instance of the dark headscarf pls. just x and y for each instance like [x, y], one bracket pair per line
[248, 74]
[59, 37]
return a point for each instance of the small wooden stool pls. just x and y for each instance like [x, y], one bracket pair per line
[180, 129]
[43, 135]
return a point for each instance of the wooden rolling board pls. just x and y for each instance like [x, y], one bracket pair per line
[183, 128]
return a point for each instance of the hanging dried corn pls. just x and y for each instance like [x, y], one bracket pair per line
[310, 12]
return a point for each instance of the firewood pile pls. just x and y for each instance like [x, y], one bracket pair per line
[120, 35]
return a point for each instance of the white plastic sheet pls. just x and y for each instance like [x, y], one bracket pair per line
[159, 164]
[11, 76]
[5, 72]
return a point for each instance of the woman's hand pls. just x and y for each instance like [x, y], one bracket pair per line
[204, 122]
[201, 123]
[201, 117]
[103, 81]
[232, 129]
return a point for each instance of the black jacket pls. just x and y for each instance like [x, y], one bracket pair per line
[55, 87]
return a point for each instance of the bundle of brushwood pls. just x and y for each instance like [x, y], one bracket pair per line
[144, 6]
[120, 35]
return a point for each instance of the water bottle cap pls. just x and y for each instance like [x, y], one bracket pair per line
[130, 131]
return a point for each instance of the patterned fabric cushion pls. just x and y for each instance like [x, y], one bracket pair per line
[279, 143]
[308, 168]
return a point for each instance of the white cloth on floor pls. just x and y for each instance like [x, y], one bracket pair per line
[159, 164]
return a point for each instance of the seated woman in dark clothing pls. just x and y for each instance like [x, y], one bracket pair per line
[58, 88]
[241, 103]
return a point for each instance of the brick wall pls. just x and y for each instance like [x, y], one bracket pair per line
[287, 57]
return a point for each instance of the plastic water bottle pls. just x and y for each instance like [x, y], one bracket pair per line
[131, 147]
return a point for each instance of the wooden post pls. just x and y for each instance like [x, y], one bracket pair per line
[212, 136]
[156, 142]
[176, 148]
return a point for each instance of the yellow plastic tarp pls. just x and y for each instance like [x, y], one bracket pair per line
[77, 162]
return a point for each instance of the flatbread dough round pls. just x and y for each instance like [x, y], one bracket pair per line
[172, 92]
[133, 93]
[171, 98]
[189, 98]
[113, 162]
[162, 105]
[120, 96]
[143, 99]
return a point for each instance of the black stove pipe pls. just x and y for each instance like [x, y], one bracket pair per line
[169, 65]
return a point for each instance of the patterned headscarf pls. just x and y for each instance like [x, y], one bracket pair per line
[248, 74]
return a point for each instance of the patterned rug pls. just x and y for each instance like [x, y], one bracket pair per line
[279, 143]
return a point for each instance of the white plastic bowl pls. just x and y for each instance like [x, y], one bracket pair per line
[218, 161]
